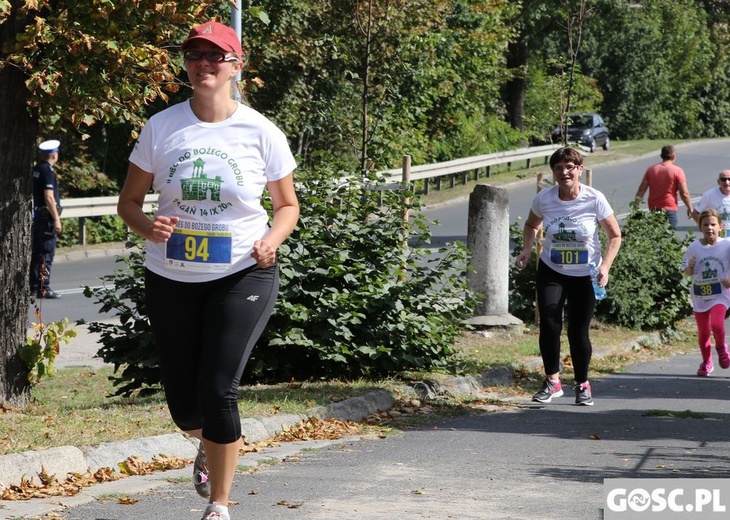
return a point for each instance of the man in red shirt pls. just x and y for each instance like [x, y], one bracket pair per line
[664, 181]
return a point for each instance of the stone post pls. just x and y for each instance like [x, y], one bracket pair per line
[488, 244]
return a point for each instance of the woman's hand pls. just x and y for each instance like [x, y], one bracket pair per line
[522, 260]
[264, 253]
[602, 277]
[162, 228]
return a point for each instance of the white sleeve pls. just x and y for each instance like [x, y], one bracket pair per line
[277, 155]
[142, 152]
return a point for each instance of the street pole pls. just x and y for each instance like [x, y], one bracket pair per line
[236, 24]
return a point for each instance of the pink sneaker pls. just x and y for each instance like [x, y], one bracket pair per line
[549, 390]
[583, 396]
[723, 356]
[705, 369]
[200, 473]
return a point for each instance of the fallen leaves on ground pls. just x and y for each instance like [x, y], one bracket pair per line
[137, 466]
[47, 485]
[319, 429]
[6, 408]
[290, 505]
[307, 430]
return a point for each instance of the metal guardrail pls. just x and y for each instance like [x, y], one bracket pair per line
[99, 206]
[474, 164]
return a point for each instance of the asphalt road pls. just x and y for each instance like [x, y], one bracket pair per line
[619, 180]
[70, 274]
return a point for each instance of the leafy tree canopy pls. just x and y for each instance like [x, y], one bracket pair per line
[94, 60]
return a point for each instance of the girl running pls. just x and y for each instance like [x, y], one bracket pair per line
[707, 261]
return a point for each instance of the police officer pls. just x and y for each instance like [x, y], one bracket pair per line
[46, 220]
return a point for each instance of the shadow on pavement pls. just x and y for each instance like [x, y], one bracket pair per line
[657, 420]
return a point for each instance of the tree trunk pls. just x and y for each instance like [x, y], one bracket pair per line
[517, 54]
[18, 133]
[368, 34]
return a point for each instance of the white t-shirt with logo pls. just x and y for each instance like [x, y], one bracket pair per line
[715, 199]
[711, 267]
[570, 229]
[211, 176]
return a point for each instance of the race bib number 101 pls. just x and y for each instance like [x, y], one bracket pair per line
[568, 256]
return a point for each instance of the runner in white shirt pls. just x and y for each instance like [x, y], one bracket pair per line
[570, 214]
[707, 261]
[211, 278]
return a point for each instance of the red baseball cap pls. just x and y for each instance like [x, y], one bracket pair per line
[216, 33]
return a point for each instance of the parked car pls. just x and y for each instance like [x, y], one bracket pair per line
[586, 129]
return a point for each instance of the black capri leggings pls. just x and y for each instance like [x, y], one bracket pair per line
[554, 290]
[204, 334]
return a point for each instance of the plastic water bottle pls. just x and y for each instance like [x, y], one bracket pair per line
[599, 291]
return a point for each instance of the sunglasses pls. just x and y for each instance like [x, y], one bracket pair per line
[566, 168]
[214, 56]
[724, 179]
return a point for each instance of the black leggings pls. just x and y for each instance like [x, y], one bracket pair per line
[554, 290]
[204, 334]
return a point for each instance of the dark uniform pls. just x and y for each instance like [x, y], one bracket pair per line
[43, 236]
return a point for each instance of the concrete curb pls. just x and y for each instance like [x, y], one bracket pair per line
[82, 254]
[55, 461]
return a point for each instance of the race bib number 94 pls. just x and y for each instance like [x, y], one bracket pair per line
[199, 247]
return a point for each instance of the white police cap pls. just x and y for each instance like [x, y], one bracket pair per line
[50, 146]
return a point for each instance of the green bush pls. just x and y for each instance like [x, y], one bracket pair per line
[41, 349]
[479, 134]
[99, 230]
[522, 284]
[362, 294]
[79, 177]
[647, 289]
